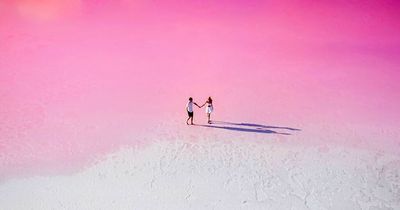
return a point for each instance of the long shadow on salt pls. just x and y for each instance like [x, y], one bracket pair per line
[248, 127]
[256, 125]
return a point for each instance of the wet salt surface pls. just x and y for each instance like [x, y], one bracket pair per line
[80, 79]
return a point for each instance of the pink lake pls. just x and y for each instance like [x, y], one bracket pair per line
[79, 79]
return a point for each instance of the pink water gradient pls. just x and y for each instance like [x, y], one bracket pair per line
[81, 78]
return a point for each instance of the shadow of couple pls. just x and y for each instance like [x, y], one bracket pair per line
[250, 127]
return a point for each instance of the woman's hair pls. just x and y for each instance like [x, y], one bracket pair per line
[209, 100]
[190, 99]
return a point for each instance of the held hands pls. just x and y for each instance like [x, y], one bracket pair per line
[198, 105]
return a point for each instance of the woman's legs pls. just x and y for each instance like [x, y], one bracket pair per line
[209, 116]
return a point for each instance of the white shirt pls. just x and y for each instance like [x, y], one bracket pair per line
[189, 106]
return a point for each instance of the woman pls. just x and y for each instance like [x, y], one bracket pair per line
[209, 108]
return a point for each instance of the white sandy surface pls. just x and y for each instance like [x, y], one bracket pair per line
[218, 172]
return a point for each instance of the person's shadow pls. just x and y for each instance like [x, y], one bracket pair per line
[249, 127]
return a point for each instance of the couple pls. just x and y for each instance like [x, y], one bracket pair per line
[189, 109]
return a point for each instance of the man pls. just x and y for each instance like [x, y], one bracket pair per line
[189, 109]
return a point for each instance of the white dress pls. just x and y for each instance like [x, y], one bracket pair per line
[209, 108]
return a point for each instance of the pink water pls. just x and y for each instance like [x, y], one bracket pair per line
[81, 78]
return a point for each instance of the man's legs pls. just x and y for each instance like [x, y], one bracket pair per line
[190, 118]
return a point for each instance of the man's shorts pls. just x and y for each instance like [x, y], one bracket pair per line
[190, 114]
